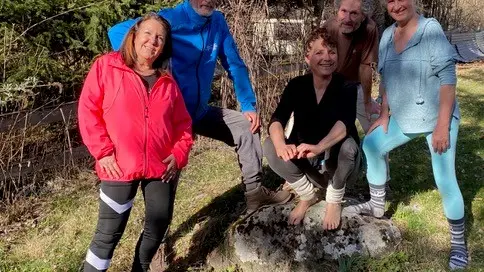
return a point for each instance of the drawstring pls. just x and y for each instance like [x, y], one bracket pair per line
[419, 100]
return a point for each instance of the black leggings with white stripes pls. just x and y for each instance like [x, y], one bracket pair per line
[116, 200]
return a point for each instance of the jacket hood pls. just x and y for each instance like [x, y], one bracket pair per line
[417, 36]
[115, 60]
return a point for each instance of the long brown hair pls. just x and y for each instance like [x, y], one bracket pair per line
[128, 52]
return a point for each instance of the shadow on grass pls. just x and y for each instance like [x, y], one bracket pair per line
[214, 220]
[411, 173]
[414, 157]
[411, 170]
[471, 105]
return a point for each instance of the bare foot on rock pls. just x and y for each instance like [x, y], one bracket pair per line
[332, 217]
[297, 214]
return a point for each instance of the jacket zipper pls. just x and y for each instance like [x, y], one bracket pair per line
[145, 100]
[146, 141]
[198, 66]
[147, 103]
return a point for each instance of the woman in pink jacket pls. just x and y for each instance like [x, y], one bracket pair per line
[134, 122]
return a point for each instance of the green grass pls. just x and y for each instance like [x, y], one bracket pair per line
[209, 201]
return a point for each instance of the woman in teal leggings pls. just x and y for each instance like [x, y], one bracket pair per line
[418, 79]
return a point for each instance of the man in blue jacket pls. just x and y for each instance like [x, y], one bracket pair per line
[200, 36]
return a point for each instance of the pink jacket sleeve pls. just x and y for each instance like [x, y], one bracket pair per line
[182, 124]
[90, 114]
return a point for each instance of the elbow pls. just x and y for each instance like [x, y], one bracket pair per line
[272, 126]
[343, 131]
[446, 74]
[275, 126]
[342, 135]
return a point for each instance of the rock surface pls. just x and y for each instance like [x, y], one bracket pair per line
[265, 242]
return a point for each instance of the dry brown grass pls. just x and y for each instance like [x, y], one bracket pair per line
[31, 154]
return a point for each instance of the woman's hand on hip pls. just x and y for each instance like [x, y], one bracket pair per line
[440, 138]
[381, 121]
[171, 168]
[109, 165]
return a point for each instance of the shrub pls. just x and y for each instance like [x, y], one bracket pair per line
[56, 41]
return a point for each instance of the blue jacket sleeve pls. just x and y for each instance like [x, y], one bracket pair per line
[238, 73]
[117, 33]
[442, 54]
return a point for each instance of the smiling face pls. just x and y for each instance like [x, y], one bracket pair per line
[203, 7]
[149, 40]
[321, 58]
[350, 15]
[401, 10]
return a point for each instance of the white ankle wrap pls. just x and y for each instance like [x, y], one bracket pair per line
[334, 195]
[304, 188]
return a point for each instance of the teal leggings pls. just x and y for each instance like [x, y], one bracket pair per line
[377, 144]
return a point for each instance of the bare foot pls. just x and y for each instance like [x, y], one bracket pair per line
[332, 217]
[297, 214]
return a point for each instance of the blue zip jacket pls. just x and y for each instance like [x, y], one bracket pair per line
[197, 43]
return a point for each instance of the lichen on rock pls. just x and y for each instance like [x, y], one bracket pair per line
[265, 240]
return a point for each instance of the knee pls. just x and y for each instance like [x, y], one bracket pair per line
[268, 148]
[243, 125]
[349, 149]
[269, 151]
[157, 223]
[106, 239]
[162, 215]
[244, 136]
[370, 145]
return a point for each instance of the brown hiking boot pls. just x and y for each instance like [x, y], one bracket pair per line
[262, 196]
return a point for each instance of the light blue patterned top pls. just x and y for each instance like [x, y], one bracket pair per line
[412, 78]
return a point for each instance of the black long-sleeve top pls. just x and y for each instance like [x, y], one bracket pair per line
[313, 121]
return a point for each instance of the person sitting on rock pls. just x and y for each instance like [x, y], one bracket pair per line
[324, 106]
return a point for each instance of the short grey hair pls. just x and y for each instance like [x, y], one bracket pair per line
[366, 6]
